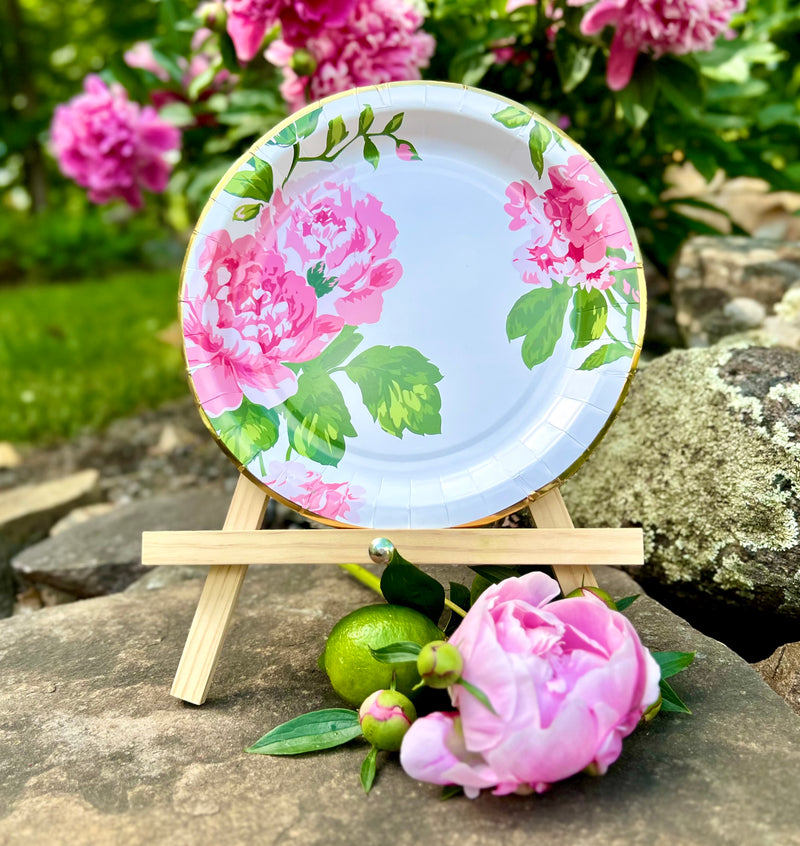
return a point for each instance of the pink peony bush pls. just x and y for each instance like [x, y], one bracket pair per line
[568, 680]
[111, 146]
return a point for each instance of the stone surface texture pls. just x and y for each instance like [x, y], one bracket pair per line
[705, 457]
[781, 671]
[731, 285]
[96, 751]
[104, 554]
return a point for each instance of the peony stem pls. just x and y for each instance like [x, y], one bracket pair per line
[453, 607]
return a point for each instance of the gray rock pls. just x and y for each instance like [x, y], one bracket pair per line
[96, 751]
[781, 671]
[720, 282]
[705, 457]
[103, 554]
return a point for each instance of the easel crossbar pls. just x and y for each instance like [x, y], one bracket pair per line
[589, 547]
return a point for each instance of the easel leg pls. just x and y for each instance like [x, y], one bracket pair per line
[550, 512]
[217, 602]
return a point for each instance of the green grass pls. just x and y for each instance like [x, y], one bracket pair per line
[80, 354]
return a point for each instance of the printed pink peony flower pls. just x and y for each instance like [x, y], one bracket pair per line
[659, 27]
[568, 680]
[379, 42]
[250, 315]
[570, 226]
[112, 146]
[338, 236]
[334, 500]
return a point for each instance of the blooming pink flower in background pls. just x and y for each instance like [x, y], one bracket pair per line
[381, 41]
[141, 56]
[568, 680]
[334, 500]
[112, 146]
[303, 20]
[248, 23]
[341, 233]
[657, 26]
[243, 318]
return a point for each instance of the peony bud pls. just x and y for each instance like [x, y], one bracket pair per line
[385, 717]
[302, 62]
[439, 664]
[593, 590]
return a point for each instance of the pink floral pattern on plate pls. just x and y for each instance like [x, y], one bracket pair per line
[295, 482]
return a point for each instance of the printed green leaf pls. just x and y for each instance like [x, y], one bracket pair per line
[670, 701]
[512, 117]
[404, 584]
[307, 124]
[394, 123]
[368, 768]
[365, 119]
[256, 184]
[538, 316]
[477, 693]
[337, 132]
[397, 653]
[627, 601]
[309, 733]
[285, 138]
[247, 430]
[321, 283]
[672, 663]
[616, 252]
[339, 349]
[538, 141]
[371, 153]
[318, 419]
[606, 354]
[247, 211]
[398, 387]
[588, 317]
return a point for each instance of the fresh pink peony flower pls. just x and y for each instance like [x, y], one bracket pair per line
[657, 26]
[250, 315]
[248, 23]
[112, 146]
[334, 500]
[340, 234]
[568, 680]
[307, 19]
[379, 42]
[570, 227]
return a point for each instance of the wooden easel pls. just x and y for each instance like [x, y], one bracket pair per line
[571, 552]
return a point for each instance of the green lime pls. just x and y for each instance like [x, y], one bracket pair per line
[353, 672]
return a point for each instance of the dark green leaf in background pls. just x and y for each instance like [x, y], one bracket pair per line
[368, 768]
[573, 60]
[672, 663]
[626, 601]
[670, 701]
[404, 584]
[459, 595]
[310, 733]
[247, 430]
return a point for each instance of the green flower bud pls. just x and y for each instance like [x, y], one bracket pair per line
[439, 664]
[385, 717]
[302, 62]
[651, 713]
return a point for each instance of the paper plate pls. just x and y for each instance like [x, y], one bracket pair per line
[411, 306]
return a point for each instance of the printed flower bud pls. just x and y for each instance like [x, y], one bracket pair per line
[439, 664]
[592, 590]
[302, 62]
[385, 717]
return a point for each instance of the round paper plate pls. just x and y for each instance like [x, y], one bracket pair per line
[411, 306]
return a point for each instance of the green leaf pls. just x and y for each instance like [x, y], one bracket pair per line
[573, 61]
[637, 99]
[627, 601]
[256, 184]
[512, 117]
[606, 354]
[287, 137]
[339, 349]
[337, 132]
[672, 663]
[322, 284]
[496, 573]
[247, 430]
[451, 790]
[309, 733]
[477, 693]
[365, 119]
[228, 52]
[588, 317]
[398, 387]
[318, 419]
[394, 124]
[670, 701]
[404, 584]
[397, 653]
[371, 153]
[368, 768]
[247, 211]
[307, 124]
[539, 317]
[203, 80]
[538, 141]
[168, 63]
[459, 595]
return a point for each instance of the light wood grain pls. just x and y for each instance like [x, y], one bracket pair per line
[218, 600]
[550, 512]
[423, 547]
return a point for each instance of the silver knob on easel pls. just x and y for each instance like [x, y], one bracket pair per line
[381, 550]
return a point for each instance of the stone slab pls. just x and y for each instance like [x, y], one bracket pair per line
[95, 751]
[781, 671]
